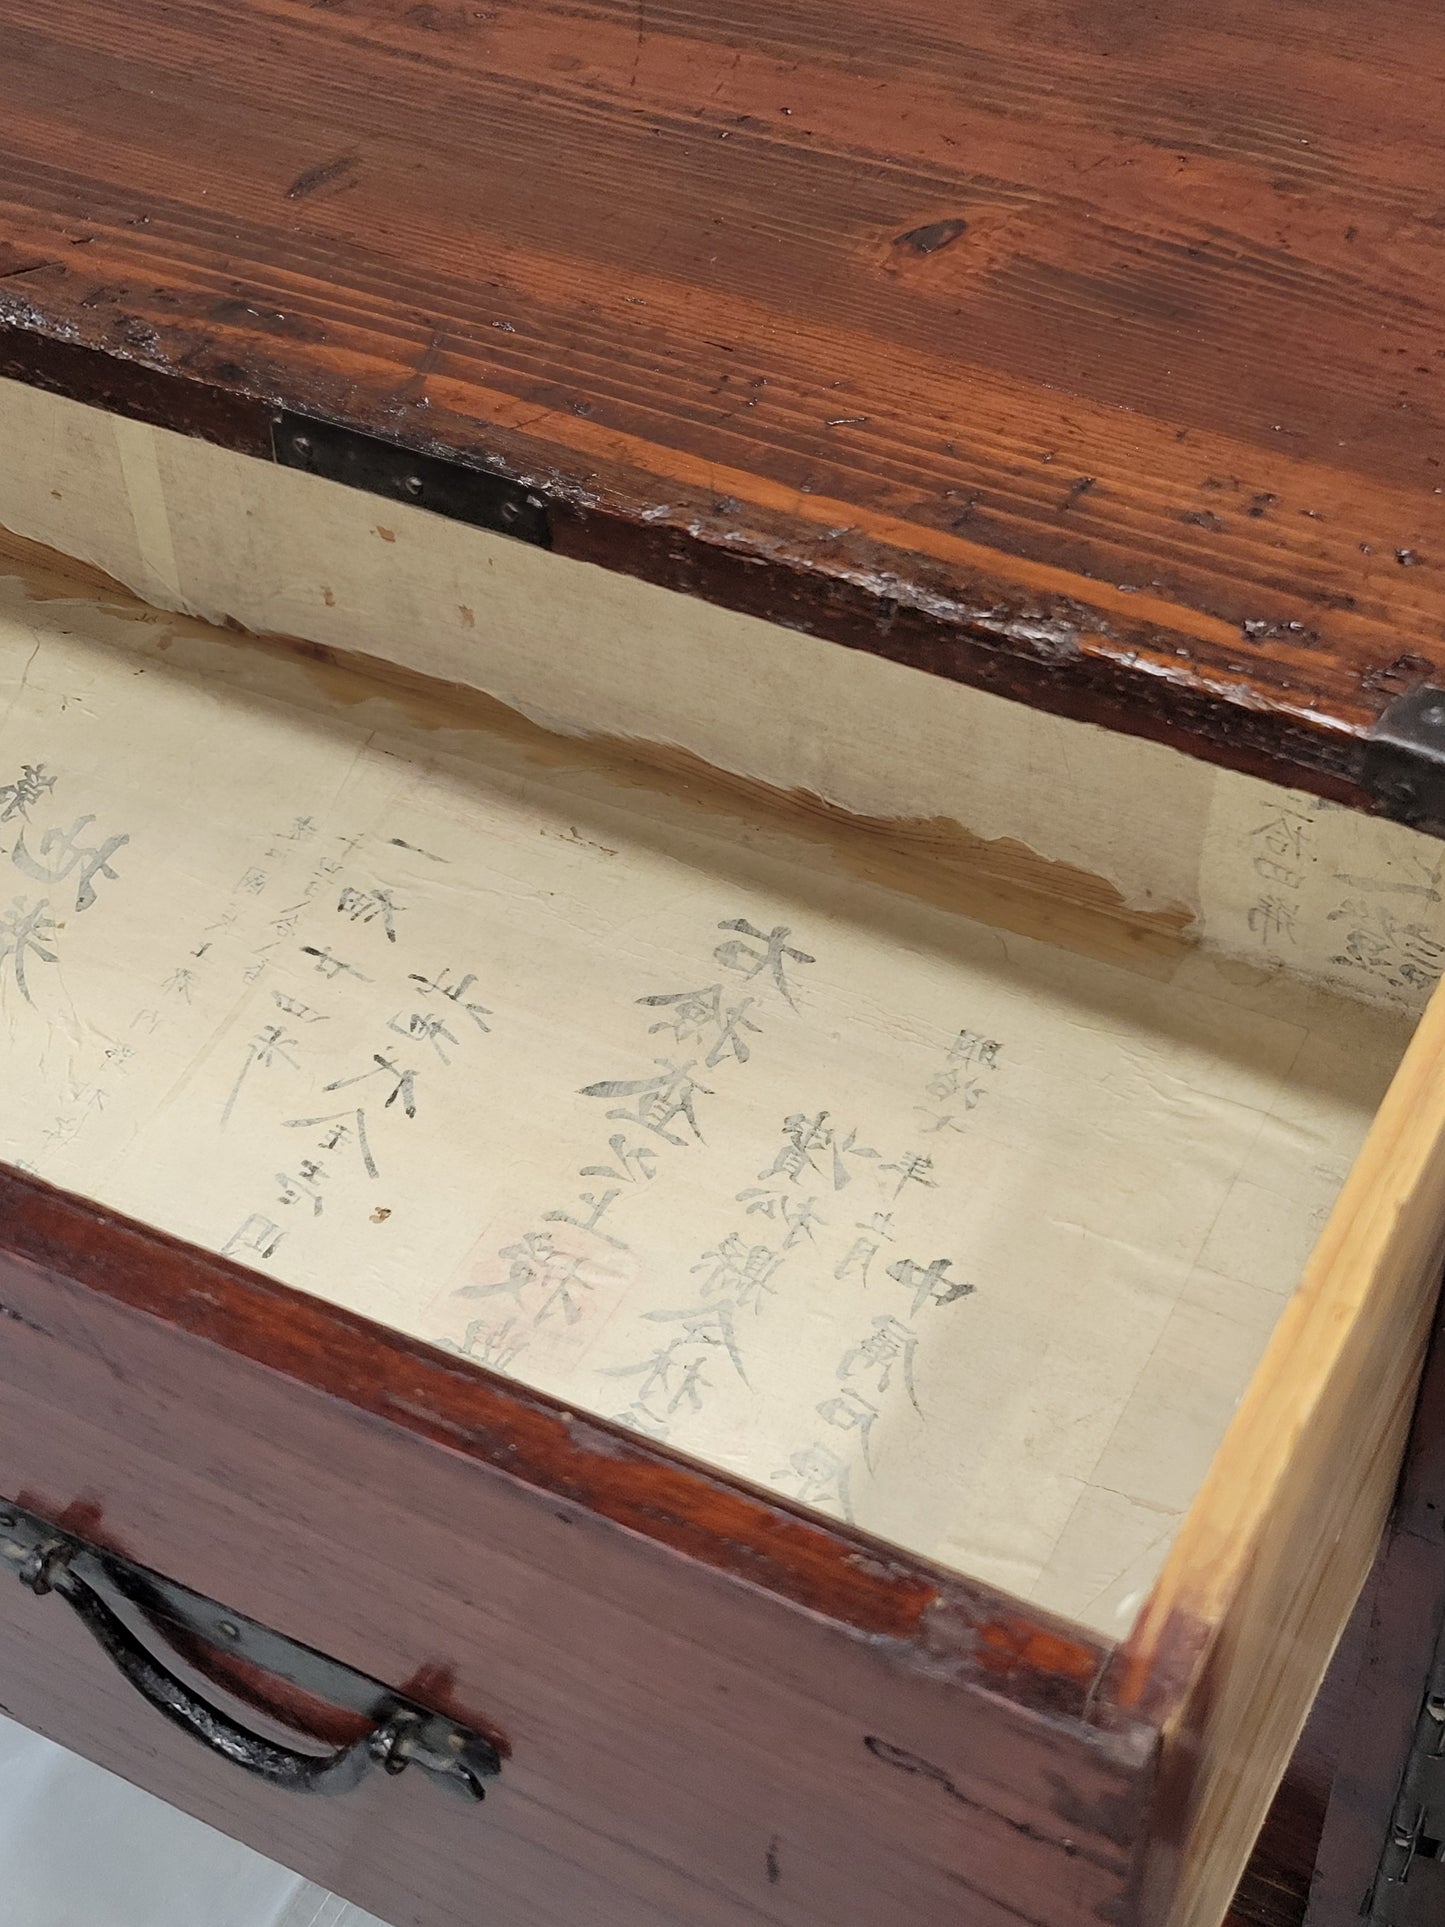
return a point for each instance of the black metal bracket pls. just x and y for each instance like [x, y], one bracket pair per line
[445, 487]
[1409, 1888]
[1404, 760]
[105, 1592]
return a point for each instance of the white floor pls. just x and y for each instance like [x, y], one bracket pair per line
[80, 1848]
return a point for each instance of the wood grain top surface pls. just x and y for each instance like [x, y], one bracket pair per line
[1091, 353]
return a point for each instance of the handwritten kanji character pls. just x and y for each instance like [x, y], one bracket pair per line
[597, 1210]
[336, 1132]
[305, 1184]
[970, 1048]
[661, 1099]
[364, 906]
[699, 1015]
[329, 965]
[426, 1029]
[805, 1138]
[496, 1346]
[948, 1081]
[284, 923]
[528, 1262]
[876, 1231]
[24, 933]
[1269, 871]
[1421, 955]
[29, 786]
[438, 986]
[927, 1282]
[61, 853]
[742, 1269]
[707, 1325]
[293, 1007]
[1283, 836]
[856, 1260]
[798, 1215]
[258, 1234]
[817, 1476]
[265, 1048]
[403, 1083]
[890, 1343]
[1272, 917]
[912, 1168]
[634, 1164]
[851, 1412]
[565, 1282]
[537, 1262]
[1378, 942]
[673, 1373]
[740, 955]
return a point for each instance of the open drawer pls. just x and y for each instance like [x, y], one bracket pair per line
[837, 1265]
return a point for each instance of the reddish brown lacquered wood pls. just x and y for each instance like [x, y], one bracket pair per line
[715, 1709]
[1089, 353]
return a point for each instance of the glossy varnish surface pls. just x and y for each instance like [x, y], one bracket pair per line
[712, 1708]
[1089, 352]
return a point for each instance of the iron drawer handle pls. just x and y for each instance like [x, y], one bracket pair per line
[393, 1743]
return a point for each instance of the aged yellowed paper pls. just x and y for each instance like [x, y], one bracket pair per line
[968, 1238]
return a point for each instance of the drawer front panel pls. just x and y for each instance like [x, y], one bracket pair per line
[681, 1746]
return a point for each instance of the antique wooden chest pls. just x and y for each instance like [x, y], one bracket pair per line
[721, 751]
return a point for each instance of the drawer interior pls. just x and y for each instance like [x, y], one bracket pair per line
[942, 1185]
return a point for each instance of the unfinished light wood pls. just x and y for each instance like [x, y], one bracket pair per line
[1278, 1543]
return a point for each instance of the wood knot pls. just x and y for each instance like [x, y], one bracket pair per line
[929, 239]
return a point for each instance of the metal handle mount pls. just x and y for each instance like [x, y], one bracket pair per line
[48, 1561]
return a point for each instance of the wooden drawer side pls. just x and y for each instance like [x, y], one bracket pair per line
[1240, 1629]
